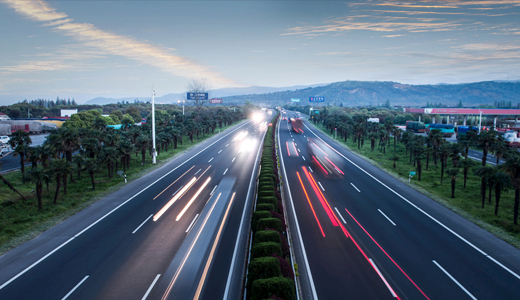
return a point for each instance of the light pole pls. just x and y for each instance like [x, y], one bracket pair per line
[182, 106]
[153, 127]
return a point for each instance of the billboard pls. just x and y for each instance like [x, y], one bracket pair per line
[197, 96]
[295, 99]
[215, 101]
[316, 99]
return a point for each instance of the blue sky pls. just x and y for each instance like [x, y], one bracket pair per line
[86, 49]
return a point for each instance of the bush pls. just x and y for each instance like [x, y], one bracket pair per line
[266, 186]
[265, 249]
[257, 215]
[262, 268]
[268, 174]
[280, 286]
[269, 200]
[265, 206]
[274, 223]
[268, 193]
[263, 236]
[285, 267]
[281, 218]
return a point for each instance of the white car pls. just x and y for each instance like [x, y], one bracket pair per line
[4, 139]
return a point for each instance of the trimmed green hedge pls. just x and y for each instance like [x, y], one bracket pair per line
[273, 223]
[265, 206]
[265, 249]
[269, 200]
[257, 215]
[263, 193]
[262, 236]
[262, 268]
[279, 286]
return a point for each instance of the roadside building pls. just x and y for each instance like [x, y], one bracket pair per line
[68, 112]
[4, 117]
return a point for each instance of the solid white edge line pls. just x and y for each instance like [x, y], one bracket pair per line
[225, 171]
[219, 151]
[235, 251]
[151, 287]
[386, 217]
[355, 187]
[321, 186]
[506, 268]
[212, 191]
[454, 280]
[383, 278]
[307, 267]
[234, 159]
[77, 286]
[344, 222]
[142, 224]
[110, 212]
[192, 222]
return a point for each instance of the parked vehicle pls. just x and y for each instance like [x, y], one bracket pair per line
[511, 139]
[4, 140]
[446, 129]
[463, 130]
[417, 127]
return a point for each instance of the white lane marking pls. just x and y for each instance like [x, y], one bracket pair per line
[219, 151]
[303, 157]
[227, 145]
[422, 211]
[180, 188]
[198, 171]
[113, 210]
[293, 140]
[192, 222]
[233, 159]
[304, 253]
[321, 186]
[151, 287]
[355, 187]
[299, 150]
[310, 169]
[77, 286]
[142, 224]
[383, 278]
[225, 172]
[244, 212]
[211, 194]
[210, 159]
[344, 222]
[386, 217]
[455, 280]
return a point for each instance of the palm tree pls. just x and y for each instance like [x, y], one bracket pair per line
[34, 156]
[499, 148]
[19, 141]
[78, 160]
[418, 152]
[512, 168]
[38, 176]
[485, 140]
[395, 159]
[453, 172]
[109, 155]
[91, 166]
[436, 140]
[466, 163]
[91, 146]
[443, 153]
[10, 186]
[143, 142]
[59, 169]
[465, 142]
[500, 181]
[484, 172]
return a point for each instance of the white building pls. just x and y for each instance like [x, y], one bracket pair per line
[68, 112]
[4, 117]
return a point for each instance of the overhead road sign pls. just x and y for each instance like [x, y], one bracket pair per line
[316, 99]
[215, 101]
[295, 99]
[197, 96]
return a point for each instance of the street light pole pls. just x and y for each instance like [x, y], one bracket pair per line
[153, 127]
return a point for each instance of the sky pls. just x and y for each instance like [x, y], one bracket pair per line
[87, 49]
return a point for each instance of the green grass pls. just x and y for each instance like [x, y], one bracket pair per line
[21, 220]
[467, 201]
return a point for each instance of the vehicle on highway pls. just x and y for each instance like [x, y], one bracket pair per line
[463, 130]
[417, 127]
[447, 130]
[297, 125]
[4, 139]
[324, 159]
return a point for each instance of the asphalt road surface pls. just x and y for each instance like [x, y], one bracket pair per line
[366, 235]
[179, 231]
[11, 162]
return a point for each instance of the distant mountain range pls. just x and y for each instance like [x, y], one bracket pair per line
[359, 93]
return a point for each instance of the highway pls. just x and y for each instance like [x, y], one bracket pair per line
[366, 235]
[11, 162]
[179, 232]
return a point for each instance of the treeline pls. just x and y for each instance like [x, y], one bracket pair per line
[50, 103]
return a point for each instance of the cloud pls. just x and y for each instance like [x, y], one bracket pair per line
[391, 36]
[114, 44]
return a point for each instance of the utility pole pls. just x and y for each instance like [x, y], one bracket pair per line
[154, 154]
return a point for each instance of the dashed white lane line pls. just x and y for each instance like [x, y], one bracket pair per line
[198, 171]
[233, 159]
[142, 224]
[192, 222]
[220, 151]
[212, 191]
[225, 172]
[151, 287]
[321, 186]
[337, 211]
[355, 187]
[210, 159]
[310, 169]
[386, 217]
[179, 188]
[303, 157]
[455, 280]
[227, 145]
[299, 150]
[77, 286]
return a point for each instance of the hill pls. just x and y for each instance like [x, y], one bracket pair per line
[363, 93]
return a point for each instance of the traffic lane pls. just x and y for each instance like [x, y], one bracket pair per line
[47, 242]
[330, 256]
[217, 280]
[478, 237]
[482, 239]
